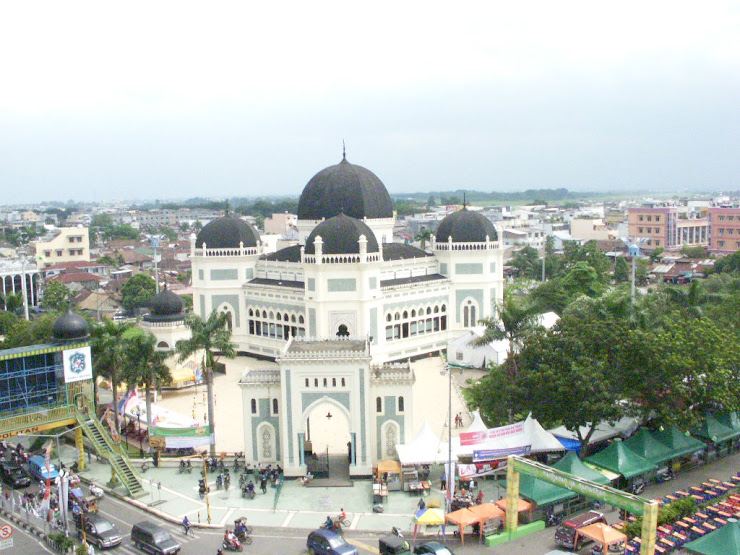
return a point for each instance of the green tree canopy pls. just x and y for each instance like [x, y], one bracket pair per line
[56, 296]
[137, 292]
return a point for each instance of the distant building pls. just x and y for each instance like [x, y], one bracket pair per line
[590, 229]
[68, 244]
[279, 224]
[725, 224]
[662, 227]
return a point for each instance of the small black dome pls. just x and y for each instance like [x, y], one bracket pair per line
[227, 233]
[465, 226]
[340, 235]
[165, 306]
[70, 327]
[347, 188]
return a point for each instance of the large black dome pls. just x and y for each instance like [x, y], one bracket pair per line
[227, 233]
[70, 327]
[465, 226]
[165, 306]
[340, 235]
[346, 188]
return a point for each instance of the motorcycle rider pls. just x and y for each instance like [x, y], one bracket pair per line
[329, 523]
[229, 538]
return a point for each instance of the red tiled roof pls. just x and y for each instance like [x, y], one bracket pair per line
[75, 277]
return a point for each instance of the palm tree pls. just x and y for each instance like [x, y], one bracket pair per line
[514, 321]
[207, 337]
[109, 356]
[423, 236]
[145, 364]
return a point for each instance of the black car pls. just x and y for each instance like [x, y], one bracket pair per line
[99, 531]
[435, 548]
[14, 475]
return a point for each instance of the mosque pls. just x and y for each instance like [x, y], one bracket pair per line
[343, 312]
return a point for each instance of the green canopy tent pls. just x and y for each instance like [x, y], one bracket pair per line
[620, 459]
[644, 444]
[542, 493]
[713, 430]
[729, 419]
[681, 443]
[723, 541]
[571, 464]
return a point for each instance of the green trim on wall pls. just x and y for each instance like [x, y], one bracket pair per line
[341, 285]
[468, 268]
[224, 274]
[231, 300]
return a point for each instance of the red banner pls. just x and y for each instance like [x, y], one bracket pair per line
[474, 438]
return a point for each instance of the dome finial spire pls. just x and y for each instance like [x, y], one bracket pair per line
[344, 150]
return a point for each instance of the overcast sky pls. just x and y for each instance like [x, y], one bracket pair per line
[162, 100]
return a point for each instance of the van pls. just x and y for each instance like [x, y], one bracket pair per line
[153, 539]
[566, 532]
[37, 469]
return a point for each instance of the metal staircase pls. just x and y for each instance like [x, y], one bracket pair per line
[106, 448]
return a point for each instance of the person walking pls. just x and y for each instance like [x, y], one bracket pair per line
[263, 483]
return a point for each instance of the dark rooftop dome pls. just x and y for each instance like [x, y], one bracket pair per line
[340, 235]
[227, 233]
[70, 327]
[465, 226]
[165, 306]
[346, 188]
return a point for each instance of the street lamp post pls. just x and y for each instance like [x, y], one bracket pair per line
[154, 239]
[634, 251]
[449, 473]
[22, 254]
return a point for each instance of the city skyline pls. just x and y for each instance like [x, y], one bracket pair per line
[174, 100]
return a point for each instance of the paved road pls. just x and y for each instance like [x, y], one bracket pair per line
[23, 542]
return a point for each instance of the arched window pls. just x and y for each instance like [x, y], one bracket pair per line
[466, 316]
[343, 384]
[405, 314]
[300, 319]
[306, 382]
[324, 382]
[272, 316]
[413, 313]
[473, 320]
[378, 404]
[264, 314]
[251, 312]
[397, 316]
[162, 345]
[316, 382]
[285, 317]
[388, 318]
[253, 405]
[444, 308]
[400, 404]
[342, 331]
[274, 406]
[436, 309]
[292, 318]
[334, 382]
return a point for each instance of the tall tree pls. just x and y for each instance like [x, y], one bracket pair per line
[145, 364]
[56, 296]
[109, 356]
[207, 338]
[137, 292]
[423, 237]
[514, 321]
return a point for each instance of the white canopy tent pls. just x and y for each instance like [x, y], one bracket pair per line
[527, 436]
[424, 449]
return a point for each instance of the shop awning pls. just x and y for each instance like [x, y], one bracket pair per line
[462, 518]
[601, 533]
[571, 464]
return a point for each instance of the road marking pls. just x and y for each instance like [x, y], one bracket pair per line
[287, 520]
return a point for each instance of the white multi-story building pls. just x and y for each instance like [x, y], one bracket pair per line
[342, 312]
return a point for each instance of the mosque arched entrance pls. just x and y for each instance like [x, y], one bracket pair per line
[328, 451]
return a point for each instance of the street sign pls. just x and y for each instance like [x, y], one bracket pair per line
[6, 530]
[6, 544]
